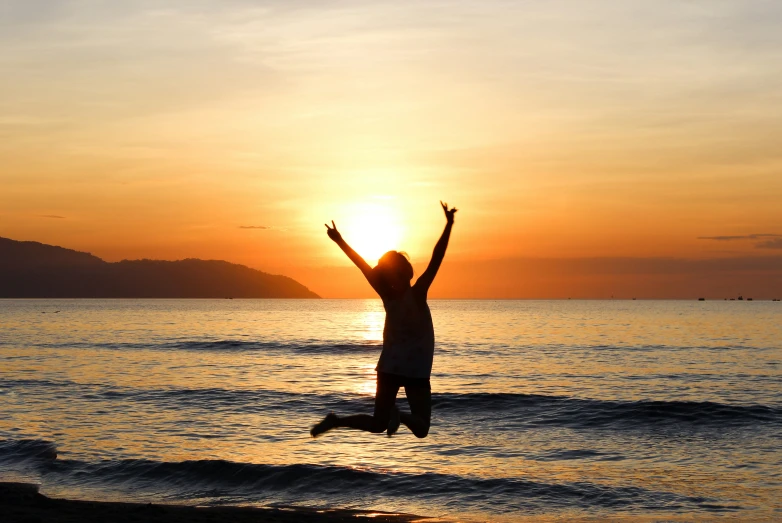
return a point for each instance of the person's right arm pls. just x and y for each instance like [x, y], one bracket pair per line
[355, 257]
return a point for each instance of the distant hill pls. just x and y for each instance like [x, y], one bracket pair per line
[37, 270]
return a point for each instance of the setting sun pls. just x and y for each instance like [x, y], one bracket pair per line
[372, 230]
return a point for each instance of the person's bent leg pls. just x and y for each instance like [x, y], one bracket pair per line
[362, 422]
[385, 397]
[419, 397]
[326, 424]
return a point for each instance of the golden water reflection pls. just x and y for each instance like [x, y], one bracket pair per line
[373, 322]
[128, 381]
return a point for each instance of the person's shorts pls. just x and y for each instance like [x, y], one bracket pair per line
[395, 380]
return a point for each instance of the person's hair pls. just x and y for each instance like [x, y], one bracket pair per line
[397, 262]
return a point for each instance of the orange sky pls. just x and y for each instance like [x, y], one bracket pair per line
[234, 130]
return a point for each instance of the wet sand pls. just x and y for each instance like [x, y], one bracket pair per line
[22, 503]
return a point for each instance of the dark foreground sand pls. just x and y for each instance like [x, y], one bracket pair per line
[22, 503]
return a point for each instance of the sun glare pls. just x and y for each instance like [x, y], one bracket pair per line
[372, 231]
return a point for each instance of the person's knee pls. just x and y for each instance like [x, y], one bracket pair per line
[421, 432]
[378, 425]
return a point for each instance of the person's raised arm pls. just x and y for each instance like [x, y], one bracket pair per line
[426, 279]
[355, 257]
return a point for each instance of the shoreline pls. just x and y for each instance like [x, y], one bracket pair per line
[23, 503]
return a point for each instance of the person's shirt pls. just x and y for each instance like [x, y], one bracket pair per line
[408, 336]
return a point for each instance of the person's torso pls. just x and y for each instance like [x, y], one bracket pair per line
[408, 336]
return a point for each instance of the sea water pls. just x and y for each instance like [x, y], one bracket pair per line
[541, 409]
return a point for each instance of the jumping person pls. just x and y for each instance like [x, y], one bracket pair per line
[408, 340]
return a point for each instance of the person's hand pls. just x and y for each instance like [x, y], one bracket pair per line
[448, 212]
[333, 232]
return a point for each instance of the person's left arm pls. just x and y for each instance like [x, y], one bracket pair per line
[425, 280]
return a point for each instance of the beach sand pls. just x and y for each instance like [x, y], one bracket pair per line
[22, 503]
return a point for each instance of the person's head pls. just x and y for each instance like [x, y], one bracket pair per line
[395, 268]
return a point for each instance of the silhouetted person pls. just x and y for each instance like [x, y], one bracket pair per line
[408, 340]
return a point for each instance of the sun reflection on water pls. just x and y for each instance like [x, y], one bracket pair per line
[370, 327]
[373, 322]
[368, 383]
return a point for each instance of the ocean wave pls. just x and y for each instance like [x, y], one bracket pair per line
[27, 449]
[218, 480]
[516, 410]
[318, 346]
[502, 411]
[298, 346]
[540, 410]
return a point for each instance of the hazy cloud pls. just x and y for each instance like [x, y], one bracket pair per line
[769, 241]
[52, 216]
[775, 243]
[745, 237]
[254, 227]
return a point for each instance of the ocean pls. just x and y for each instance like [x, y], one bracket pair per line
[646, 410]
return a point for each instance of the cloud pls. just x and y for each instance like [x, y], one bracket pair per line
[768, 241]
[52, 216]
[775, 243]
[745, 237]
[254, 227]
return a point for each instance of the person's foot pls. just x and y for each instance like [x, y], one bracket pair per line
[393, 423]
[328, 423]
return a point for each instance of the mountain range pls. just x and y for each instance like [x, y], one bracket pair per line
[36, 270]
